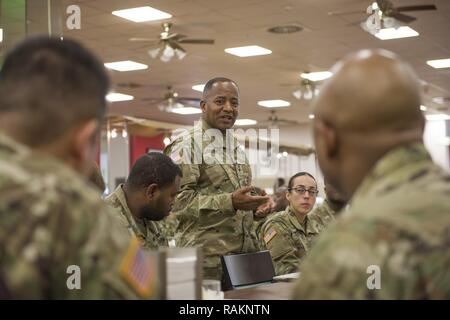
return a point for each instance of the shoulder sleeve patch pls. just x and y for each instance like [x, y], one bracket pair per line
[138, 269]
[269, 235]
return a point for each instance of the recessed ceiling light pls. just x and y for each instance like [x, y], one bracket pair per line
[245, 122]
[248, 51]
[126, 65]
[311, 116]
[396, 33]
[439, 64]
[439, 116]
[115, 96]
[198, 87]
[423, 108]
[316, 76]
[142, 14]
[274, 103]
[186, 110]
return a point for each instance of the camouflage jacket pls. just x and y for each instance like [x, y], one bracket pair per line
[288, 240]
[324, 213]
[145, 230]
[51, 224]
[203, 207]
[394, 243]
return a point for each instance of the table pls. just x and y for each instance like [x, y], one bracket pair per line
[271, 291]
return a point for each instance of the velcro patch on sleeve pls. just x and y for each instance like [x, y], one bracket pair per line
[269, 235]
[139, 269]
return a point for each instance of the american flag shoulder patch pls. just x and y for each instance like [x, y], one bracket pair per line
[269, 235]
[139, 269]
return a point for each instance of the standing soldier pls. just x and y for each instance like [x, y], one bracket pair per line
[213, 207]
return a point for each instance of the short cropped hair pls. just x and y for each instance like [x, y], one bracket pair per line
[153, 167]
[299, 174]
[52, 84]
[211, 82]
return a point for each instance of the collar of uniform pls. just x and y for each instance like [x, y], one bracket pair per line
[303, 226]
[140, 225]
[9, 146]
[392, 161]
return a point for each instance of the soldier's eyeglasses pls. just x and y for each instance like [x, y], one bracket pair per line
[300, 190]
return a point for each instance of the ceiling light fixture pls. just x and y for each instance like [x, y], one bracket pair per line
[316, 76]
[274, 103]
[115, 97]
[248, 51]
[437, 117]
[396, 33]
[245, 122]
[126, 65]
[1, 35]
[185, 110]
[142, 14]
[307, 91]
[198, 87]
[311, 116]
[423, 108]
[166, 53]
[439, 64]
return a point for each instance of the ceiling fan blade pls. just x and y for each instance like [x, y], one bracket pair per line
[189, 99]
[153, 100]
[341, 13]
[403, 17]
[197, 41]
[143, 39]
[424, 7]
[175, 36]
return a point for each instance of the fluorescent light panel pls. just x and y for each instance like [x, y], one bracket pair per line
[248, 51]
[437, 117]
[274, 103]
[126, 65]
[198, 87]
[439, 64]
[316, 76]
[396, 33]
[142, 14]
[186, 110]
[1, 35]
[115, 97]
[245, 122]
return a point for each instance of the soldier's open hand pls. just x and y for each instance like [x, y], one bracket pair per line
[243, 201]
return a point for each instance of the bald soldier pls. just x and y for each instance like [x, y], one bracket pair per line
[147, 197]
[58, 239]
[394, 243]
[213, 207]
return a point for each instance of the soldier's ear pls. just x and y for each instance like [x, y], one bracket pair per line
[325, 140]
[152, 191]
[84, 145]
[203, 105]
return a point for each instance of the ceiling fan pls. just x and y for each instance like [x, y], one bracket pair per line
[273, 122]
[168, 44]
[172, 102]
[383, 14]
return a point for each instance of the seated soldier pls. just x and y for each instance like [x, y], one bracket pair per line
[288, 234]
[147, 196]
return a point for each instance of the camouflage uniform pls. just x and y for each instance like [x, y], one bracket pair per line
[288, 239]
[324, 213]
[168, 226]
[51, 219]
[204, 208]
[399, 221]
[145, 230]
